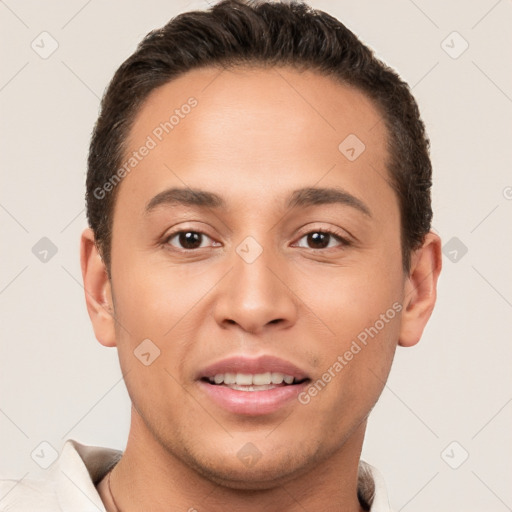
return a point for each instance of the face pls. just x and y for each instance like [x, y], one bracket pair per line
[256, 242]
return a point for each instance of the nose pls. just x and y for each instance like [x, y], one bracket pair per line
[256, 295]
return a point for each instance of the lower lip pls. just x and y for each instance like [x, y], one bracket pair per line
[254, 403]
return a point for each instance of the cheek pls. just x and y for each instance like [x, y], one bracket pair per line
[348, 300]
[353, 372]
[152, 298]
[150, 345]
[362, 311]
[159, 308]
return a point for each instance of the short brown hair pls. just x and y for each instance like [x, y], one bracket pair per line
[245, 32]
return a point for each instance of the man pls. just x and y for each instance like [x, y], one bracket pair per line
[258, 195]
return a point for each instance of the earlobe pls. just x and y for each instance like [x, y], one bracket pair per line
[420, 290]
[98, 295]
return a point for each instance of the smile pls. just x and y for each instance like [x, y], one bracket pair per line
[252, 386]
[252, 382]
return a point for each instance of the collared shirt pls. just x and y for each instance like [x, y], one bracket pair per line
[70, 483]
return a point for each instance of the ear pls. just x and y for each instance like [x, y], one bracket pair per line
[420, 290]
[98, 294]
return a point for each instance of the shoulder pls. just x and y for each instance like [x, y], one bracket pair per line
[27, 495]
[68, 484]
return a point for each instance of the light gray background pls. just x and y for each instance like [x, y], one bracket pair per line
[58, 382]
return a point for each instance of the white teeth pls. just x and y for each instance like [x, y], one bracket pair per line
[243, 379]
[229, 378]
[248, 379]
[261, 379]
[277, 378]
[252, 388]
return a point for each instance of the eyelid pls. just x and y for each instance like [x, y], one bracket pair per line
[166, 237]
[341, 242]
[344, 237]
[341, 236]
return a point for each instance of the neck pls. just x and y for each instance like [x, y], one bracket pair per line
[149, 477]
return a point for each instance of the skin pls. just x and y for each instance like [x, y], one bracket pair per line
[265, 133]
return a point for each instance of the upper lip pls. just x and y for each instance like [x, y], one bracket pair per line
[244, 364]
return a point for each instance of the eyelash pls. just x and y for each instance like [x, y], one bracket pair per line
[344, 242]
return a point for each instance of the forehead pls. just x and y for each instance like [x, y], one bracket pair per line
[299, 102]
[258, 130]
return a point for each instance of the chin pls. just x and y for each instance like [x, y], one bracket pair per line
[268, 469]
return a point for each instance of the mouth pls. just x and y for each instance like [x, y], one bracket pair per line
[253, 382]
[247, 386]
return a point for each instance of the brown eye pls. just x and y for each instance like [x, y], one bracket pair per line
[322, 240]
[188, 240]
[318, 240]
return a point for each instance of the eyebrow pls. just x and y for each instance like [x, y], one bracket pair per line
[303, 197]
